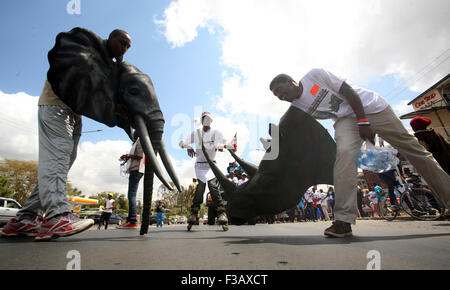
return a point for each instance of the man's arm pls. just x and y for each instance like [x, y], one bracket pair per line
[365, 131]
[185, 144]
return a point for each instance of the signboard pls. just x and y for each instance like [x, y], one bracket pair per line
[427, 100]
[82, 200]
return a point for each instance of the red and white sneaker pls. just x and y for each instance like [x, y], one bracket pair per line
[24, 227]
[127, 225]
[63, 225]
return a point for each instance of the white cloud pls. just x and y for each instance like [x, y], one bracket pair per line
[18, 126]
[359, 40]
[402, 107]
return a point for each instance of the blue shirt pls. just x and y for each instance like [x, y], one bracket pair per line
[379, 190]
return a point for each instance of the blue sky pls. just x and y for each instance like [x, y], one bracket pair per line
[182, 77]
[219, 56]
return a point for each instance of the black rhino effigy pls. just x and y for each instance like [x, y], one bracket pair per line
[305, 156]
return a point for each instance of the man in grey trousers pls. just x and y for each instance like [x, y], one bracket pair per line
[59, 134]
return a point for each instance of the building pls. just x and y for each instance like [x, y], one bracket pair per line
[434, 103]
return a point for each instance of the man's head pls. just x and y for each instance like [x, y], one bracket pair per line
[206, 120]
[110, 195]
[285, 88]
[118, 43]
[419, 123]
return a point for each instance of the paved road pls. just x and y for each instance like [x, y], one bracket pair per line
[400, 245]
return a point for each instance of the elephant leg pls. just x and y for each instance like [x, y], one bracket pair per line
[148, 192]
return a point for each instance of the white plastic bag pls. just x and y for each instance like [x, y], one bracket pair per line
[123, 169]
[377, 159]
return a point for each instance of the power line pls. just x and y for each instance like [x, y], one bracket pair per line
[448, 57]
[405, 86]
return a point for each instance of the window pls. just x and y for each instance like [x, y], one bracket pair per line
[11, 204]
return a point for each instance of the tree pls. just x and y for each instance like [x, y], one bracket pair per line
[5, 191]
[21, 177]
[73, 191]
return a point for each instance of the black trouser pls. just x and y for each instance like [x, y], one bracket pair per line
[359, 201]
[312, 211]
[319, 206]
[104, 219]
[213, 186]
[389, 179]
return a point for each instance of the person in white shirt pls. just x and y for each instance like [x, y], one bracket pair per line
[135, 167]
[323, 204]
[213, 140]
[312, 213]
[243, 180]
[107, 212]
[358, 114]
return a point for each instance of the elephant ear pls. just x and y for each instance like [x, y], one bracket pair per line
[83, 75]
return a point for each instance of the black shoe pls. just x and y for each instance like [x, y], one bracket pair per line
[339, 229]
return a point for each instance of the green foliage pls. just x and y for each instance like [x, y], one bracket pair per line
[21, 176]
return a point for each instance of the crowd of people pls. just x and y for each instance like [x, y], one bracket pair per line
[315, 205]
[236, 173]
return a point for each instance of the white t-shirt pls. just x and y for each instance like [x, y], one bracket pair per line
[109, 203]
[321, 99]
[212, 140]
[241, 181]
[308, 196]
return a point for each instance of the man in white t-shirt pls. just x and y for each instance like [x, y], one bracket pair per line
[213, 140]
[358, 114]
[107, 212]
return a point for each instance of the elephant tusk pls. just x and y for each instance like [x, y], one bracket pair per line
[148, 149]
[168, 165]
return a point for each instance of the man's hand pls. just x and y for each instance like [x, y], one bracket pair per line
[191, 152]
[366, 133]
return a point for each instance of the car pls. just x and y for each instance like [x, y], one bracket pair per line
[181, 220]
[153, 219]
[114, 219]
[8, 209]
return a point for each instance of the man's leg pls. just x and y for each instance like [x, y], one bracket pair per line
[390, 182]
[325, 212]
[213, 186]
[197, 201]
[107, 217]
[60, 131]
[391, 129]
[133, 184]
[345, 210]
[348, 142]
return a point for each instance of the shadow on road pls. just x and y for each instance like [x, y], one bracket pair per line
[314, 240]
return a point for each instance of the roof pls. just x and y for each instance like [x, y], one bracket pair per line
[422, 112]
[443, 81]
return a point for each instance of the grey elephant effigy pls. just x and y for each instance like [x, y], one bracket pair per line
[83, 78]
[306, 155]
